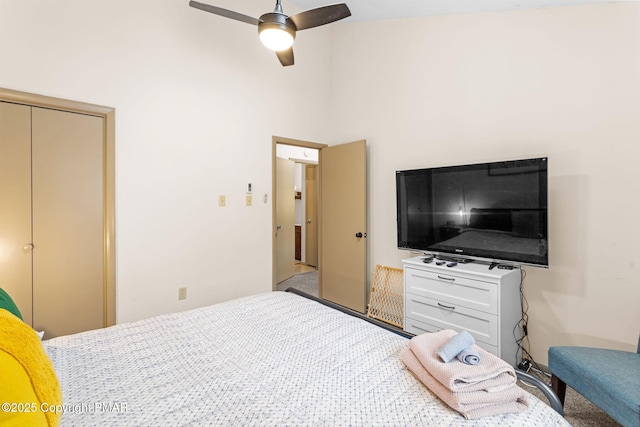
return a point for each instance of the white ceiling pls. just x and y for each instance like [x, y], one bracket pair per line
[371, 10]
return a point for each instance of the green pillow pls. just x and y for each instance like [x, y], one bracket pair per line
[7, 303]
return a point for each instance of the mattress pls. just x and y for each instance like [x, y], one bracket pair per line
[273, 359]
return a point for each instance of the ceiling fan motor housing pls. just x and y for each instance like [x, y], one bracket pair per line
[278, 21]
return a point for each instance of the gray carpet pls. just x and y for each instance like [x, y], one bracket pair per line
[579, 412]
[306, 282]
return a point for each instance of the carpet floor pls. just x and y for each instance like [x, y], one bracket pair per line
[306, 282]
[578, 411]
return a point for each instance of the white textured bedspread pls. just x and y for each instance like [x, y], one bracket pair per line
[274, 359]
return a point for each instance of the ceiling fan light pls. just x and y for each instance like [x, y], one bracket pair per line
[276, 38]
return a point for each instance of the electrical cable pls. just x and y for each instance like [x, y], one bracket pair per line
[524, 319]
[522, 324]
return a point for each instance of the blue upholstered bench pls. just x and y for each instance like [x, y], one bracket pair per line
[608, 378]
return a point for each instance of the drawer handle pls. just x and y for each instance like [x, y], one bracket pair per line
[446, 306]
[451, 279]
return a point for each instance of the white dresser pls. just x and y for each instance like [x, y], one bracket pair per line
[470, 297]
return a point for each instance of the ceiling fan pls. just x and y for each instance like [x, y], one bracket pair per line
[278, 30]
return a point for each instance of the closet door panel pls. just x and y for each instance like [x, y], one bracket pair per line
[68, 222]
[15, 205]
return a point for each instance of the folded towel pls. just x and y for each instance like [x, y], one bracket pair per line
[492, 372]
[21, 343]
[469, 356]
[455, 345]
[471, 404]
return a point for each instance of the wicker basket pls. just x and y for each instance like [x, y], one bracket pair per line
[386, 302]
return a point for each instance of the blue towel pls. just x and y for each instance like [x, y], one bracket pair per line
[469, 356]
[455, 345]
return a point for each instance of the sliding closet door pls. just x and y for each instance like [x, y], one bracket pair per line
[15, 205]
[68, 222]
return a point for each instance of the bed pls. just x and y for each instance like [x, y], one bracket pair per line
[496, 231]
[273, 359]
[495, 241]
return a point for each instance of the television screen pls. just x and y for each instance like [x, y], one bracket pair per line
[491, 211]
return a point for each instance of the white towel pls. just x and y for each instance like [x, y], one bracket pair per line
[457, 376]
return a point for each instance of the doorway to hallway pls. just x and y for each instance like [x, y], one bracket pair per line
[295, 201]
[341, 221]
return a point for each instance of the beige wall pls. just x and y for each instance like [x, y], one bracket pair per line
[198, 98]
[562, 83]
[197, 101]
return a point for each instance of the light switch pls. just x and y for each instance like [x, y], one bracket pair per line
[222, 201]
[249, 199]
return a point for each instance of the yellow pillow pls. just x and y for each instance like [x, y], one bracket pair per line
[29, 384]
[20, 405]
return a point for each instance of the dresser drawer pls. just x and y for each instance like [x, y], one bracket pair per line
[445, 315]
[417, 327]
[452, 288]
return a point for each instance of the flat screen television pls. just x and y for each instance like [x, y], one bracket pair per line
[495, 212]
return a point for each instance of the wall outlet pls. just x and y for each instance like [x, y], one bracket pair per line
[182, 293]
[222, 201]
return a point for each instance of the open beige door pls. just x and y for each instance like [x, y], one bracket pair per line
[311, 214]
[285, 218]
[343, 224]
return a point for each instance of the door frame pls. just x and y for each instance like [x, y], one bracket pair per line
[108, 115]
[298, 143]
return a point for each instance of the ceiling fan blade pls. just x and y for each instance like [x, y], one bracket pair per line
[224, 12]
[320, 16]
[285, 56]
